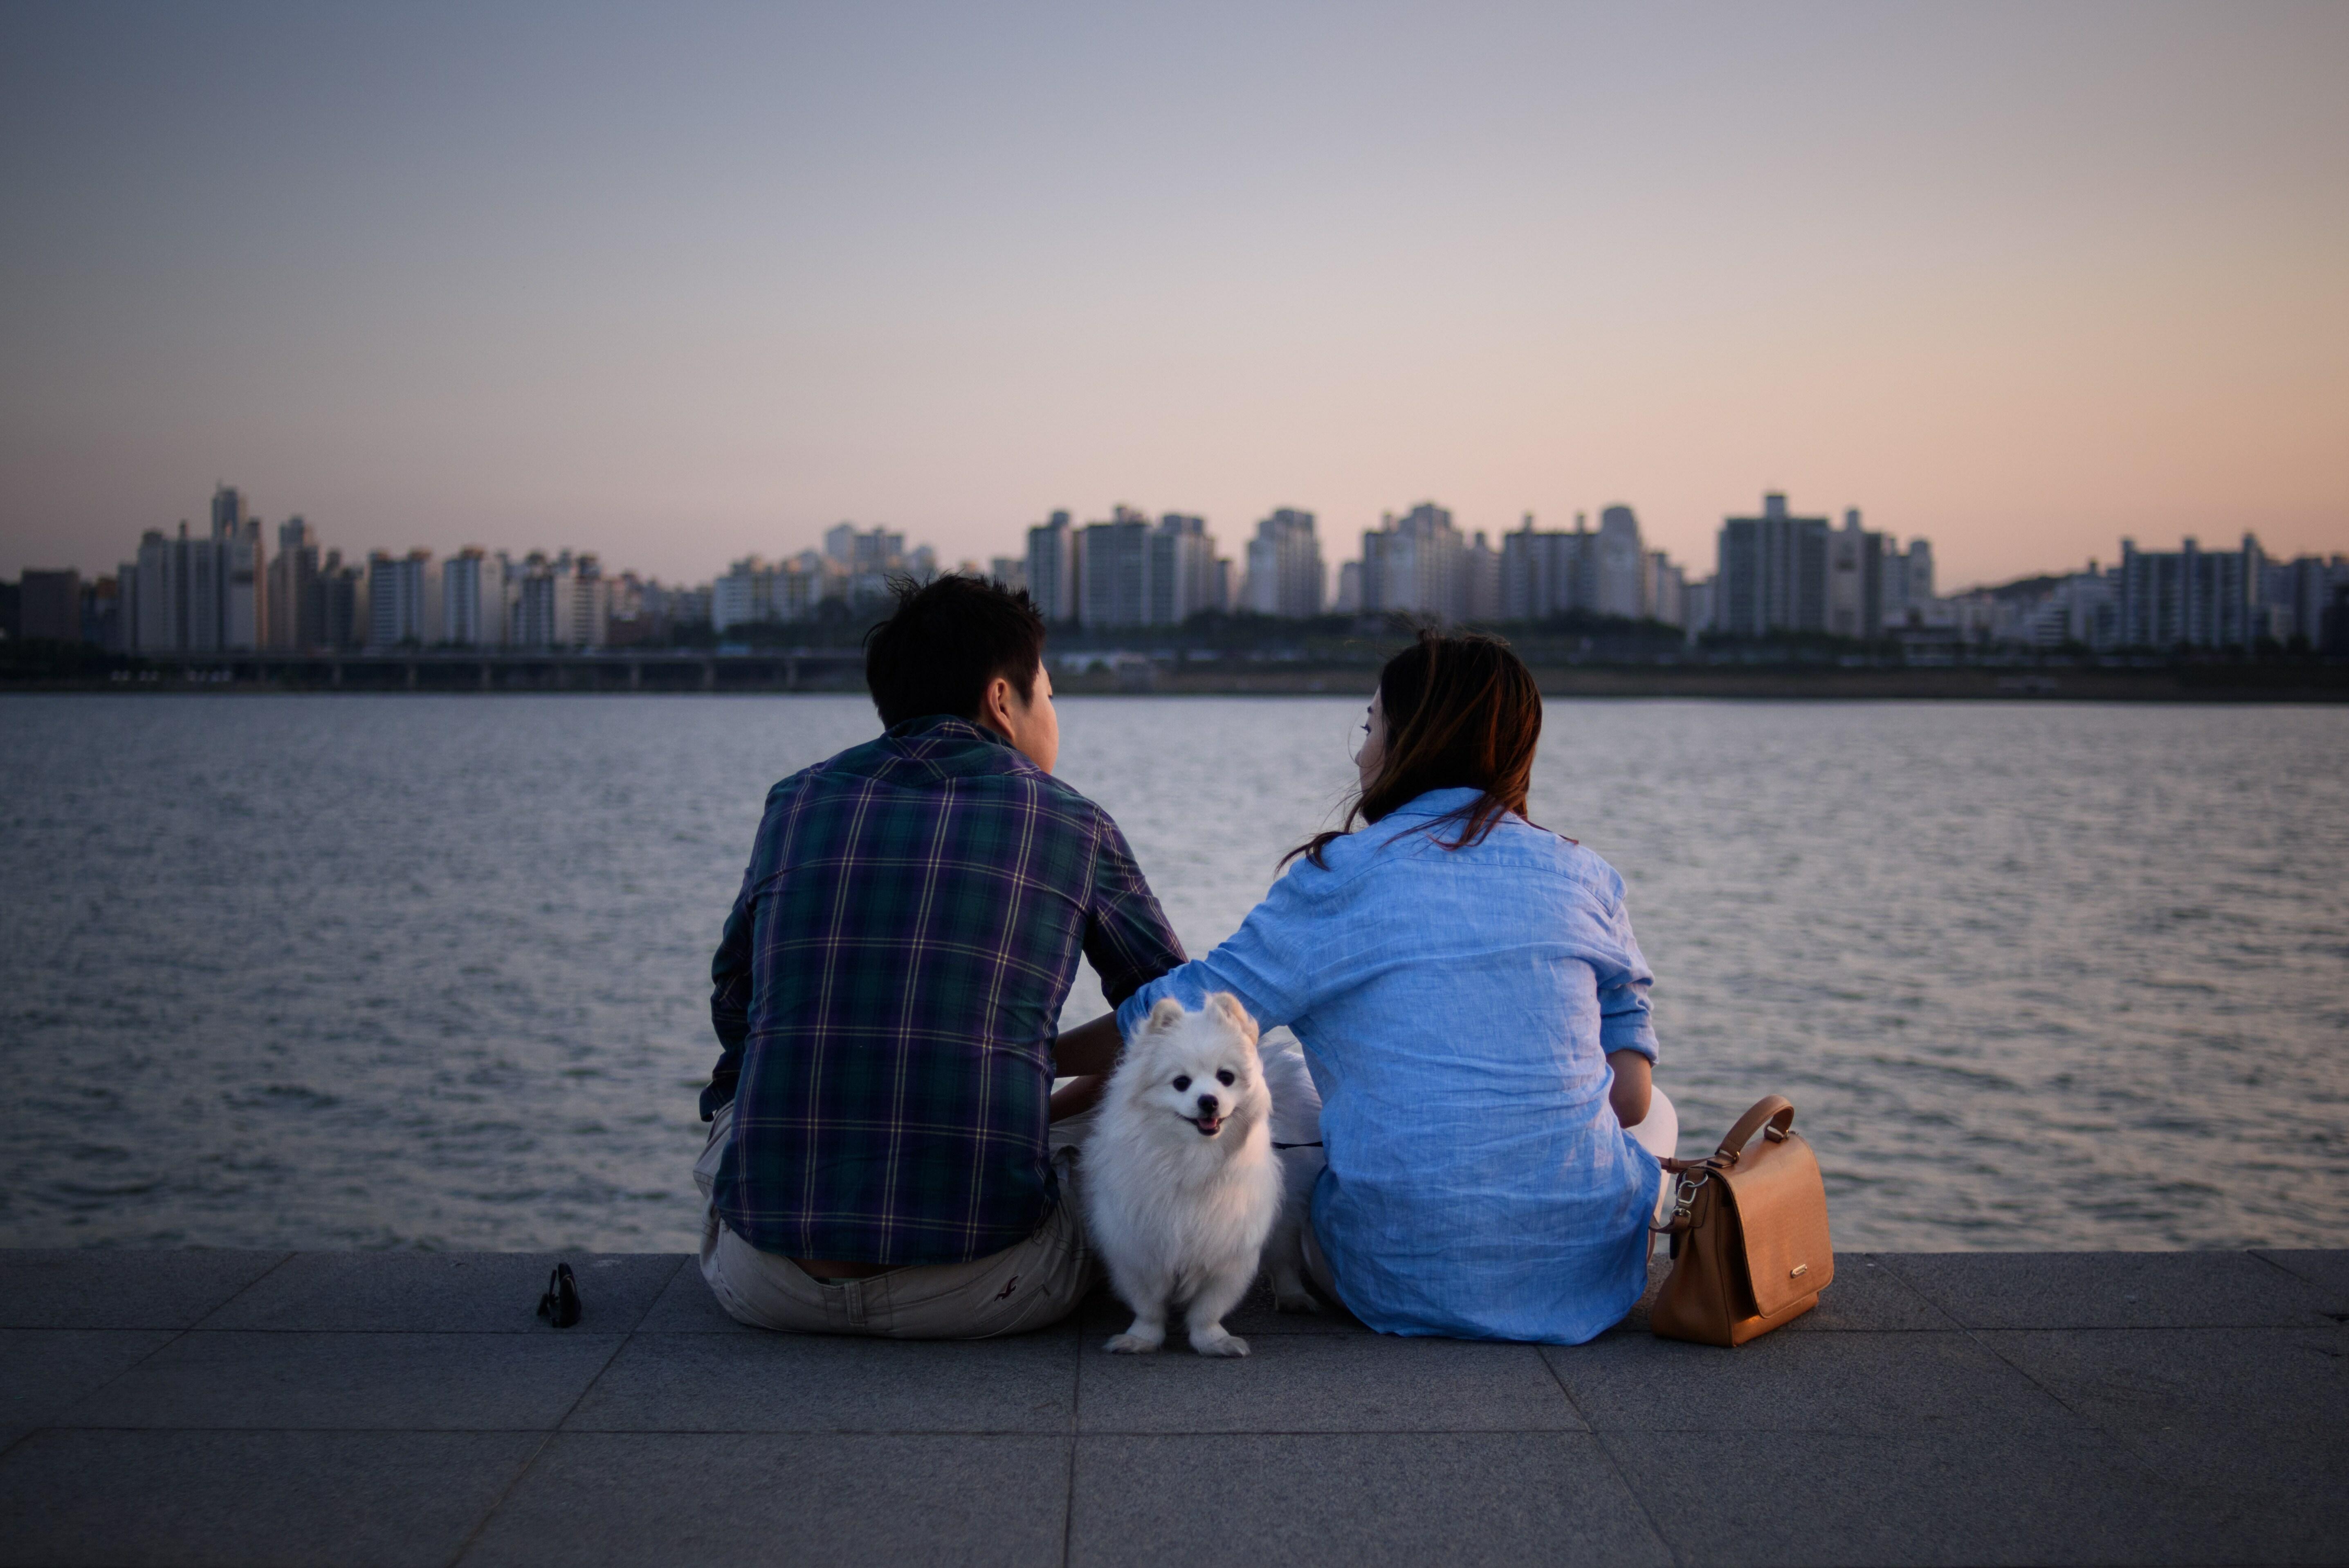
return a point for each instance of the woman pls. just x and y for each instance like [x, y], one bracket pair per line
[1475, 1011]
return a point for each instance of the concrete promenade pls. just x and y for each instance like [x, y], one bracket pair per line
[346, 1408]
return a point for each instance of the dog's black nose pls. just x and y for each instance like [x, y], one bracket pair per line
[1206, 1104]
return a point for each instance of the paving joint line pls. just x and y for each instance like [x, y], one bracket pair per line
[1614, 1462]
[546, 1437]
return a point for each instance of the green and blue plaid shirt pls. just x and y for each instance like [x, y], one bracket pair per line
[887, 990]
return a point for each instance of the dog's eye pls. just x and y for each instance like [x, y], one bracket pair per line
[1182, 1083]
[1224, 1078]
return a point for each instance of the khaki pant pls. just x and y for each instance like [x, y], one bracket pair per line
[1029, 1286]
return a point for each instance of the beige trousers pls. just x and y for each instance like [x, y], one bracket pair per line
[1032, 1285]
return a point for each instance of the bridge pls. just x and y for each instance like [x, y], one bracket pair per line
[510, 670]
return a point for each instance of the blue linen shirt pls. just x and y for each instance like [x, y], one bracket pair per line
[1456, 1008]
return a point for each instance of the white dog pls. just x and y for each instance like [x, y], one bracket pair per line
[1181, 1187]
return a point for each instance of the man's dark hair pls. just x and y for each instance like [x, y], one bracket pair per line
[948, 639]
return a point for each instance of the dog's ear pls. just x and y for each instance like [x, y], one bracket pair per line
[1227, 1006]
[1165, 1016]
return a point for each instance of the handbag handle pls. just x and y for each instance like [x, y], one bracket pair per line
[1776, 1110]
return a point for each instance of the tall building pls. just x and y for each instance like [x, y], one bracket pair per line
[1544, 574]
[1416, 566]
[1854, 580]
[296, 608]
[1284, 575]
[473, 599]
[403, 600]
[1052, 551]
[1772, 573]
[2191, 598]
[1481, 570]
[1009, 572]
[743, 595]
[1665, 590]
[342, 608]
[1908, 583]
[1350, 588]
[243, 565]
[1114, 571]
[1185, 578]
[1619, 565]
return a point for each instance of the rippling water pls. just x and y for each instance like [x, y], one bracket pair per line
[372, 971]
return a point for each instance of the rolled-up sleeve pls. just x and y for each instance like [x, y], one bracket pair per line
[1625, 1018]
[1267, 963]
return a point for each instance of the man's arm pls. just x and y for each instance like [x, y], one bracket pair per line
[730, 1003]
[1088, 1053]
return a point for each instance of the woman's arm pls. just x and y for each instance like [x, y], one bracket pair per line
[1634, 1077]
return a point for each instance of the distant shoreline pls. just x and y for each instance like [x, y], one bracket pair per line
[2192, 683]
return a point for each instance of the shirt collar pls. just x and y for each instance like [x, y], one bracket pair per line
[1437, 802]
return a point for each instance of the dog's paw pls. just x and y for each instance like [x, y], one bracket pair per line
[1130, 1344]
[1227, 1344]
[1295, 1301]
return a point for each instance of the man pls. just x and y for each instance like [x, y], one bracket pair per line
[886, 993]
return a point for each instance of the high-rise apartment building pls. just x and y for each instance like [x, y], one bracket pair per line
[1620, 565]
[1854, 580]
[1052, 550]
[1185, 577]
[1416, 565]
[296, 608]
[243, 565]
[403, 600]
[2191, 598]
[1481, 575]
[1114, 578]
[1772, 573]
[343, 608]
[1544, 575]
[473, 599]
[1285, 575]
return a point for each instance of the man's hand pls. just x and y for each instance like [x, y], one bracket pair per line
[1633, 1079]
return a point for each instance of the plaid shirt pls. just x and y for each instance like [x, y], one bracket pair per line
[887, 990]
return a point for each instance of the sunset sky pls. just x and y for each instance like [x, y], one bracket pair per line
[680, 284]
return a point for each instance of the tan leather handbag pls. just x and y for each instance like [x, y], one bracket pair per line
[1749, 1230]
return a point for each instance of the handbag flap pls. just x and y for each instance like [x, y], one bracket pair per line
[1782, 1212]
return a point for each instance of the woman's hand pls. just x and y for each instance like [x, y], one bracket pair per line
[1634, 1077]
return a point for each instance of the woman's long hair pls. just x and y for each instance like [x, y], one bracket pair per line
[1462, 712]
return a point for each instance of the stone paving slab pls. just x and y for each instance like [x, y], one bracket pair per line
[443, 1293]
[120, 1499]
[787, 1383]
[1364, 1499]
[110, 1289]
[407, 1408]
[2213, 1380]
[712, 1499]
[1974, 1498]
[44, 1372]
[1887, 1384]
[2113, 1289]
[1313, 1383]
[381, 1382]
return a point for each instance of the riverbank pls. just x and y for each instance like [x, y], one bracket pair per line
[1086, 674]
[407, 1408]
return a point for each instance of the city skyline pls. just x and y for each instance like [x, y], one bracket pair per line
[673, 291]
